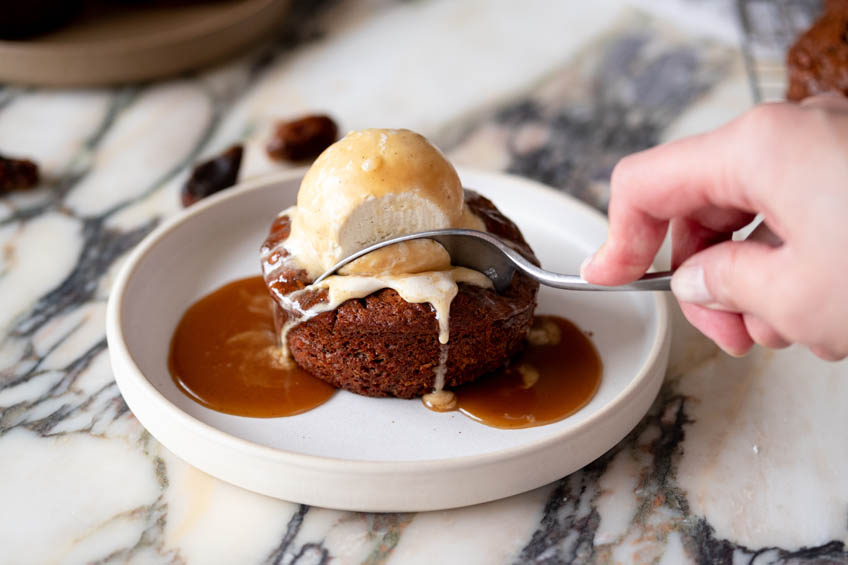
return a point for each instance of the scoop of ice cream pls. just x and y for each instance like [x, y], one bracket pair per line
[416, 256]
[372, 185]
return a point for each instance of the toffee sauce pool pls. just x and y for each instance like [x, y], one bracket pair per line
[225, 356]
[541, 385]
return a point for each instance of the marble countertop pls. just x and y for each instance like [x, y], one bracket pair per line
[738, 461]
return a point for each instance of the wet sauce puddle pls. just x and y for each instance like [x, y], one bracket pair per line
[224, 355]
[543, 384]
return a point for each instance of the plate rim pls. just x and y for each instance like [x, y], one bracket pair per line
[191, 31]
[151, 54]
[118, 347]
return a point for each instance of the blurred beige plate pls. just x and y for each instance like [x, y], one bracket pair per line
[376, 454]
[134, 41]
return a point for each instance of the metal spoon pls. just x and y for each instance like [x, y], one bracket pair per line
[486, 253]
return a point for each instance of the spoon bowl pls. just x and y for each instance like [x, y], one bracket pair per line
[488, 254]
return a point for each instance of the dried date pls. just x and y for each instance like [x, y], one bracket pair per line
[213, 175]
[302, 139]
[17, 174]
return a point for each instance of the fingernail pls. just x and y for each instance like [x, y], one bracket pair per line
[688, 285]
[719, 307]
[734, 354]
[585, 264]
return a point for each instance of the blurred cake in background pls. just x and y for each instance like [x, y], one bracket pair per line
[818, 61]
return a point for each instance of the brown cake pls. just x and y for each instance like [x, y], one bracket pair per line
[382, 345]
[818, 61]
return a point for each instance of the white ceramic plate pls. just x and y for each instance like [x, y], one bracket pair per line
[362, 453]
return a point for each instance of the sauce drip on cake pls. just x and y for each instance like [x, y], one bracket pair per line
[370, 186]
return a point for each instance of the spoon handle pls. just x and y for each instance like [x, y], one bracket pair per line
[651, 281]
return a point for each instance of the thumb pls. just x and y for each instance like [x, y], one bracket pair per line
[734, 275]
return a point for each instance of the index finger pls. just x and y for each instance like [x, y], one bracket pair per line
[702, 177]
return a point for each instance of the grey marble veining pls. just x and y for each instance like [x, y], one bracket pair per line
[616, 98]
[738, 461]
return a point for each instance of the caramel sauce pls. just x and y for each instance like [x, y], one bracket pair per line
[545, 383]
[225, 355]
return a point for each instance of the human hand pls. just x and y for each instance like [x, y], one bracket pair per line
[785, 161]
